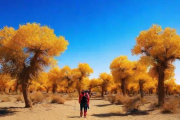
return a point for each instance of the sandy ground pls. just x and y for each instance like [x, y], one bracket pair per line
[99, 109]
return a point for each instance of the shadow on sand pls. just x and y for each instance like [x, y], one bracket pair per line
[6, 111]
[73, 116]
[146, 112]
[104, 105]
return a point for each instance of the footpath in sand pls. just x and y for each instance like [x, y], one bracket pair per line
[99, 109]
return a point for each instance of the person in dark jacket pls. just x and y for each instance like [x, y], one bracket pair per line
[84, 103]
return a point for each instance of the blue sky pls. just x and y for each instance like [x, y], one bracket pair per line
[97, 30]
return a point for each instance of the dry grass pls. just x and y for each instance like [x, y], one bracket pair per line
[153, 106]
[37, 97]
[6, 99]
[132, 104]
[72, 95]
[57, 99]
[144, 101]
[97, 95]
[170, 106]
[117, 99]
[111, 98]
[47, 95]
[19, 98]
[120, 99]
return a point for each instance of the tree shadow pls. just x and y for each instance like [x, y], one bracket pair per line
[104, 105]
[14, 107]
[136, 113]
[6, 112]
[73, 116]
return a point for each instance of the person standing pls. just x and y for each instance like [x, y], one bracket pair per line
[84, 103]
[87, 94]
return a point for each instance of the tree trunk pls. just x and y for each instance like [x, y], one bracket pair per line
[54, 88]
[102, 92]
[17, 87]
[166, 90]
[26, 94]
[10, 90]
[161, 70]
[105, 92]
[24, 76]
[123, 86]
[115, 91]
[141, 87]
[79, 91]
[90, 92]
[127, 92]
[78, 86]
[4, 90]
[47, 90]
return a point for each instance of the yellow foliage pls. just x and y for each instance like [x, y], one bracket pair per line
[19, 47]
[80, 74]
[121, 68]
[95, 82]
[158, 45]
[106, 81]
[141, 73]
[54, 74]
[85, 69]
[6, 82]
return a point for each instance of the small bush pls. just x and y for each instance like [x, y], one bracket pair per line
[111, 98]
[132, 104]
[6, 99]
[120, 99]
[19, 98]
[37, 97]
[153, 106]
[117, 99]
[144, 101]
[57, 99]
[72, 95]
[97, 95]
[170, 106]
[47, 95]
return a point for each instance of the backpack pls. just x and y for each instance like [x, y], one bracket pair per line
[84, 99]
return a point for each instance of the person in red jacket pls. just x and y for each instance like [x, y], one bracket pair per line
[87, 94]
[84, 103]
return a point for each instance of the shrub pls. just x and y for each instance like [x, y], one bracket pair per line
[132, 104]
[144, 101]
[47, 95]
[170, 106]
[37, 97]
[153, 106]
[19, 98]
[120, 99]
[117, 99]
[111, 98]
[97, 95]
[57, 99]
[72, 95]
[6, 99]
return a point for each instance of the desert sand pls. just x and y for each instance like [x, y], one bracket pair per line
[99, 110]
